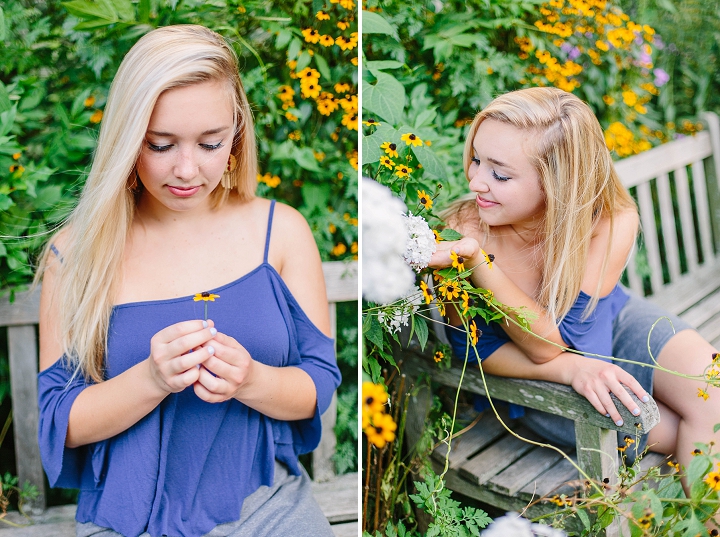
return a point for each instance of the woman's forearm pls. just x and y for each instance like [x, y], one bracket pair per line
[103, 410]
[510, 361]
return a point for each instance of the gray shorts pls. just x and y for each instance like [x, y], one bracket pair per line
[285, 508]
[630, 341]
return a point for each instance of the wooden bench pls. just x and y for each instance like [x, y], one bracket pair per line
[337, 495]
[675, 264]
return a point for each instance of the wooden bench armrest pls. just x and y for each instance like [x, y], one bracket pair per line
[557, 399]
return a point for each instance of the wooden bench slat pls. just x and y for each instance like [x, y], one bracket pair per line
[524, 471]
[667, 219]
[690, 289]
[703, 209]
[686, 218]
[497, 457]
[632, 273]
[338, 498]
[486, 431]
[550, 481]
[649, 233]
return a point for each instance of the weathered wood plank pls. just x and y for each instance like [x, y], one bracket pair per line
[550, 481]
[704, 310]
[341, 280]
[24, 310]
[546, 396]
[487, 430]
[690, 289]
[22, 347]
[597, 452]
[347, 529]
[703, 209]
[667, 220]
[525, 470]
[322, 464]
[649, 233]
[497, 457]
[632, 273]
[663, 159]
[338, 498]
[686, 217]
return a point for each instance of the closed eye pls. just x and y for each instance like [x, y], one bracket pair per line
[208, 147]
[158, 148]
[475, 160]
[500, 177]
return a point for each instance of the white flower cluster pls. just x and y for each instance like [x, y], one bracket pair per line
[385, 277]
[513, 525]
[395, 316]
[420, 245]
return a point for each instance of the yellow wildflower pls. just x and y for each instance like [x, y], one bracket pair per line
[96, 117]
[327, 41]
[311, 35]
[385, 161]
[390, 148]
[89, 102]
[339, 249]
[410, 139]
[425, 200]
[322, 16]
[382, 430]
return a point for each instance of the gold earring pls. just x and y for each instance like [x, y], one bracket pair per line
[135, 185]
[228, 179]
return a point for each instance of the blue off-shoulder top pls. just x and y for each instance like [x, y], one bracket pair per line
[187, 466]
[591, 335]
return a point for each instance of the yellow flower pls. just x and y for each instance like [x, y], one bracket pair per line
[374, 398]
[17, 169]
[350, 121]
[319, 155]
[342, 88]
[715, 356]
[327, 41]
[489, 258]
[696, 452]
[322, 16]
[96, 117]
[354, 248]
[427, 294]
[608, 100]
[382, 430]
[89, 102]
[646, 521]
[450, 289]
[286, 93]
[338, 250]
[310, 91]
[411, 139]
[438, 238]
[438, 357]
[465, 302]
[629, 98]
[205, 297]
[345, 44]
[309, 73]
[385, 161]
[270, 180]
[332, 228]
[441, 308]
[290, 116]
[371, 123]
[425, 200]
[473, 333]
[674, 465]
[343, 25]
[390, 148]
[402, 171]
[702, 393]
[16, 156]
[457, 261]
[311, 35]
[428, 143]
[347, 4]
[713, 481]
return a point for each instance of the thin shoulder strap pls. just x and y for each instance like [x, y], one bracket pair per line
[57, 253]
[269, 229]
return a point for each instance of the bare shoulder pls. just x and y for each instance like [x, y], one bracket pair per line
[295, 256]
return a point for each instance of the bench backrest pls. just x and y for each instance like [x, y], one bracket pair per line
[674, 185]
[21, 319]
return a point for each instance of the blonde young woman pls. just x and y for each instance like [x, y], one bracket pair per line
[548, 204]
[171, 422]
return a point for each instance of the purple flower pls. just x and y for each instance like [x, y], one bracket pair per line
[661, 77]
[646, 58]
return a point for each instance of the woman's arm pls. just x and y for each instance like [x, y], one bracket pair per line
[103, 410]
[505, 290]
[593, 379]
[285, 393]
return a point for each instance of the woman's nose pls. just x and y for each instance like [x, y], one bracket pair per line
[477, 182]
[186, 165]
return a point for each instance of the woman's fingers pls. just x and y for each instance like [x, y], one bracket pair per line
[467, 247]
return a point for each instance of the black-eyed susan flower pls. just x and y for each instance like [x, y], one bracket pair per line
[438, 238]
[290, 116]
[458, 261]
[350, 121]
[310, 91]
[347, 4]
[474, 335]
[427, 294]
[622, 448]
[16, 156]
[371, 123]
[489, 258]
[441, 308]
[343, 25]
[425, 200]
[646, 521]
[674, 465]
[311, 35]
[402, 170]
[374, 398]
[205, 297]
[696, 452]
[450, 289]
[96, 117]
[465, 302]
[438, 356]
[87, 103]
[390, 149]
[716, 358]
[702, 393]
[339, 249]
[308, 73]
[327, 41]
[436, 276]
[17, 168]
[322, 16]
[342, 87]
[411, 139]
[381, 430]
[385, 161]
[629, 440]
[713, 481]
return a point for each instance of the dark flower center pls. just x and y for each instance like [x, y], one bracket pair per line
[369, 400]
[412, 136]
[392, 147]
[205, 295]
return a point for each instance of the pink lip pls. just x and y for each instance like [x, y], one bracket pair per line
[183, 192]
[485, 204]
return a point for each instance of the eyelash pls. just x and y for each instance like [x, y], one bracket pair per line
[495, 175]
[163, 148]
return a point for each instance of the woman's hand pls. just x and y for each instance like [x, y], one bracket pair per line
[225, 372]
[176, 351]
[596, 379]
[467, 247]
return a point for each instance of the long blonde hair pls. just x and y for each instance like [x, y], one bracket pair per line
[577, 177]
[95, 234]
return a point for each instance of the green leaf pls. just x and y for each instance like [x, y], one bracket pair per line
[699, 466]
[124, 9]
[584, 518]
[78, 104]
[316, 196]
[306, 159]
[294, 48]
[5, 103]
[372, 23]
[716, 428]
[3, 29]
[7, 118]
[283, 38]
[144, 11]
[421, 329]
[371, 144]
[382, 64]
[374, 331]
[86, 9]
[448, 234]
[5, 202]
[303, 61]
[425, 117]
[322, 66]
[430, 163]
[386, 98]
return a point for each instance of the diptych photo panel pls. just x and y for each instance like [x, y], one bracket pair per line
[539, 260]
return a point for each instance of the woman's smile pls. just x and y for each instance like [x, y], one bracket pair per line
[485, 203]
[183, 191]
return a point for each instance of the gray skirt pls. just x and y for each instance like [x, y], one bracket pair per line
[630, 333]
[286, 508]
